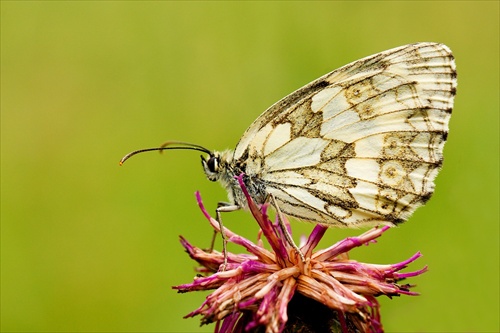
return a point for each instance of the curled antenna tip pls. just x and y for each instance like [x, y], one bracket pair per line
[126, 157]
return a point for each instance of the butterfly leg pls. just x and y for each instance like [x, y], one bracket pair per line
[288, 237]
[223, 207]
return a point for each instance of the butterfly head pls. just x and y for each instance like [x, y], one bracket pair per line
[211, 166]
[216, 165]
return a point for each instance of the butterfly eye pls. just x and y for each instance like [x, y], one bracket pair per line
[213, 163]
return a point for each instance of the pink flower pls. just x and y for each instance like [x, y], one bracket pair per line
[276, 291]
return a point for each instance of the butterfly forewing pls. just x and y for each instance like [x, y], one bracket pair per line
[360, 145]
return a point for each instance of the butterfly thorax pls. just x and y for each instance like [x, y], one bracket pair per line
[222, 167]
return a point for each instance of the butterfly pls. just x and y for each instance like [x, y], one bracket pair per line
[359, 146]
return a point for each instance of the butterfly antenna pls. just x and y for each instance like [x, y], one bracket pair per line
[167, 146]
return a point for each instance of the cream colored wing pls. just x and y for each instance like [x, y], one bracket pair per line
[360, 145]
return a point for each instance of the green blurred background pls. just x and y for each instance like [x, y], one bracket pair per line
[89, 246]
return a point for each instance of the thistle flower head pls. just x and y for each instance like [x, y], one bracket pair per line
[258, 289]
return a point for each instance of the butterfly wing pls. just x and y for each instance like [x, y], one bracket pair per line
[360, 145]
